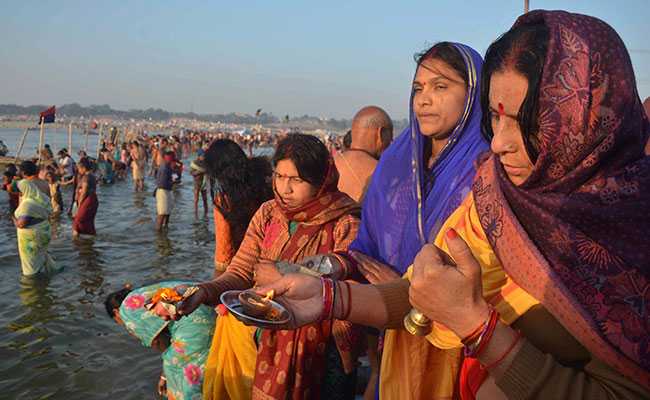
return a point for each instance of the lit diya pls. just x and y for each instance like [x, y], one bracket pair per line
[257, 306]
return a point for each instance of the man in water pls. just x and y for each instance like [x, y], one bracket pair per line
[66, 167]
[164, 198]
[138, 163]
[371, 133]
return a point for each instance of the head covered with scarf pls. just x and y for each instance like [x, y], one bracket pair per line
[400, 215]
[573, 234]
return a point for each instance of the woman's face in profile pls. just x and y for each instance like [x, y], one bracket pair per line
[508, 90]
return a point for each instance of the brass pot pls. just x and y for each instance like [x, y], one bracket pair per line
[417, 323]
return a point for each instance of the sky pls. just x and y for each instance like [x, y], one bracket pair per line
[288, 57]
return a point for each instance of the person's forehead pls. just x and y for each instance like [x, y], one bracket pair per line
[507, 88]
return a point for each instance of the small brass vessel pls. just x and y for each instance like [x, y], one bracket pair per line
[417, 323]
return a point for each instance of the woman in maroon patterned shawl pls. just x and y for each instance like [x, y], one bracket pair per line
[565, 204]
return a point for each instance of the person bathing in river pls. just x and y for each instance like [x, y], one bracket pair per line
[197, 170]
[164, 198]
[32, 224]
[87, 203]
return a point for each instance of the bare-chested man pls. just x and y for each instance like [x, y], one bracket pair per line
[138, 163]
[372, 132]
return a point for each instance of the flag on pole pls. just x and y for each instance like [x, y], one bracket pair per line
[48, 115]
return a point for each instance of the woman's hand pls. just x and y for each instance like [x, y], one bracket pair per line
[448, 294]
[300, 294]
[265, 273]
[162, 387]
[374, 271]
[190, 304]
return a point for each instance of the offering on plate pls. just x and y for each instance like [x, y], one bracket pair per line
[254, 304]
[168, 298]
[255, 309]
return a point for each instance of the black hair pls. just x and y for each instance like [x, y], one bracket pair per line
[244, 183]
[85, 162]
[522, 48]
[309, 155]
[449, 54]
[11, 168]
[28, 168]
[114, 300]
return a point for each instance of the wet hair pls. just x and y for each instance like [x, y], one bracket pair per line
[523, 49]
[85, 162]
[28, 168]
[449, 54]
[244, 183]
[114, 300]
[308, 154]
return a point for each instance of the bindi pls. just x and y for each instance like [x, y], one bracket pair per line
[502, 110]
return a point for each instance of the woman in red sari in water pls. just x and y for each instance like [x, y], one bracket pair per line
[87, 203]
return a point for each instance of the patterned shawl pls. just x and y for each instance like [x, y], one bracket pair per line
[291, 364]
[573, 235]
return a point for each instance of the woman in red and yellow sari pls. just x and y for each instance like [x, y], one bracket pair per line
[308, 216]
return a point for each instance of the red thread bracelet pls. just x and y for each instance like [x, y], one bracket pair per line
[505, 354]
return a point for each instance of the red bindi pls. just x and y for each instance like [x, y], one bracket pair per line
[502, 110]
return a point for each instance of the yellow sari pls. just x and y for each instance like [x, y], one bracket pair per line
[427, 368]
[230, 366]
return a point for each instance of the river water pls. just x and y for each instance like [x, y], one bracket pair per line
[56, 340]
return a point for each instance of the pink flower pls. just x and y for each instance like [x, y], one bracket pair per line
[192, 374]
[135, 301]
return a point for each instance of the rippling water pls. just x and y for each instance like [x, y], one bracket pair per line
[56, 340]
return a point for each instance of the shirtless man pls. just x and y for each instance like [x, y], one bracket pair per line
[138, 163]
[372, 132]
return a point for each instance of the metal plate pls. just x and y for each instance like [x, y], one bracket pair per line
[230, 299]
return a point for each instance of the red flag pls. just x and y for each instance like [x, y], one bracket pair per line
[48, 115]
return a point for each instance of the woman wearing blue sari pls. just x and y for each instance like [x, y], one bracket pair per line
[420, 180]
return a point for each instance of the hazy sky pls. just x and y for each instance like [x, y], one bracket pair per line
[324, 58]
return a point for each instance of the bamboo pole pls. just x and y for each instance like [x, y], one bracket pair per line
[70, 138]
[526, 6]
[41, 138]
[20, 146]
[99, 139]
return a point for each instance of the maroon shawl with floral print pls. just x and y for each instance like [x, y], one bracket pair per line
[574, 234]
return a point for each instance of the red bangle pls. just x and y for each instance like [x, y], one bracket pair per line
[328, 299]
[474, 345]
[344, 265]
[505, 354]
[494, 318]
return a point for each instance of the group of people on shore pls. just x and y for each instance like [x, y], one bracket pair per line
[495, 249]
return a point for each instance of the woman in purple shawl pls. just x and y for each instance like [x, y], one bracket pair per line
[407, 202]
